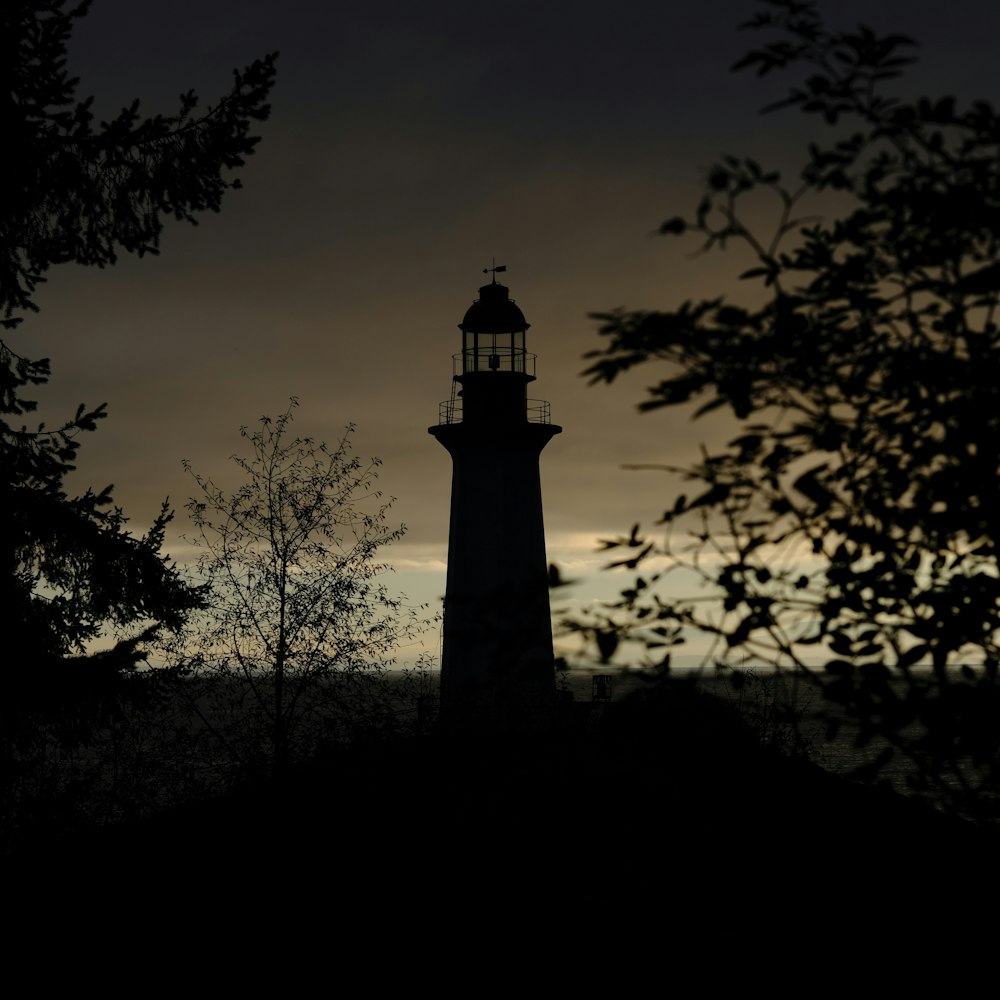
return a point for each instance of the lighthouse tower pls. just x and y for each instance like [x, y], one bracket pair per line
[497, 665]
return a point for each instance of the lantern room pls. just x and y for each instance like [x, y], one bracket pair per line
[492, 372]
[493, 333]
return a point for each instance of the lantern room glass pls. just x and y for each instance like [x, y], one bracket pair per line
[484, 352]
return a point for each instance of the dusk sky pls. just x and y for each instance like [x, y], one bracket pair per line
[408, 146]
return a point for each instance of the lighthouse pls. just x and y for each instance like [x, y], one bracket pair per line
[497, 666]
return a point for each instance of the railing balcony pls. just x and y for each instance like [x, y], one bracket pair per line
[537, 411]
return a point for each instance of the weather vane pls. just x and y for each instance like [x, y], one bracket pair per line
[494, 269]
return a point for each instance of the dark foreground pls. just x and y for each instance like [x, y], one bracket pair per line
[655, 812]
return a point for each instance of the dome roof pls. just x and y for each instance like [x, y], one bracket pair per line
[493, 312]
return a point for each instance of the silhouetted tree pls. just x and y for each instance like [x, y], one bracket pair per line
[298, 624]
[849, 531]
[73, 192]
[80, 193]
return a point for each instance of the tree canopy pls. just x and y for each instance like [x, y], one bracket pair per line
[78, 192]
[298, 620]
[848, 530]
